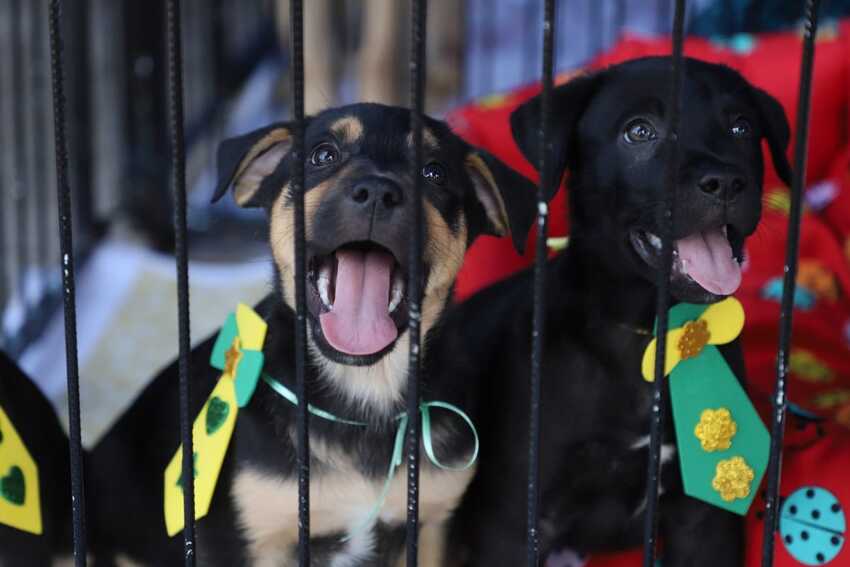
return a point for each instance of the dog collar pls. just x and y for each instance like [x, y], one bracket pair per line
[398, 444]
[20, 505]
[722, 443]
[237, 352]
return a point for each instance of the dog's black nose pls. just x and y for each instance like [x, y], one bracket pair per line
[381, 192]
[724, 186]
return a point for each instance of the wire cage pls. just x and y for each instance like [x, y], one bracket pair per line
[72, 221]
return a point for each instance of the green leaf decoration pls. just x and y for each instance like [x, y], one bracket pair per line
[229, 331]
[13, 487]
[247, 376]
[217, 412]
[194, 470]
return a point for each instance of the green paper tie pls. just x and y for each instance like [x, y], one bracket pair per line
[706, 382]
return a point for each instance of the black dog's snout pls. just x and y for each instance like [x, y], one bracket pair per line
[376, 191]
[722, 185]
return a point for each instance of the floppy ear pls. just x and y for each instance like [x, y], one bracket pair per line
[248, 160]
[776, 131]
[568, 104]
[507, 198]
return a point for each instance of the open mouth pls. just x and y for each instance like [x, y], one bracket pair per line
[710, 258]
[357, 295]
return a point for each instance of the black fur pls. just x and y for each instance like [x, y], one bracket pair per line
[601, 298]
[39, 427]
[128, 464]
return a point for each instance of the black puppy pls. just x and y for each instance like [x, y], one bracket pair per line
[609, 131]
[358, 225]
[40, 431]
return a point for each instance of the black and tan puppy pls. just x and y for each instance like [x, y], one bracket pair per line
[47, 493]
[357, 222]
[609, 132]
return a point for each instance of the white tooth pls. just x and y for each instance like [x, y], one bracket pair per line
[397, 293]
[724, 230]
[323, 283]
[654, 240]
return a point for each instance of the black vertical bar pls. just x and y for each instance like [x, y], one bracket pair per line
[529, 41]
[656, 426]
[414, 285]
[181, 254]
[19, 179]
[68, 292]
[487, 19]
[38, 145]
[296, 34]
[541, 252]
[4, 287]
[801, 145]
[619, 18]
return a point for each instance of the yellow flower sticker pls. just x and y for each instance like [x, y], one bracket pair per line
[721, 323]
[733, 479]
[715, 429]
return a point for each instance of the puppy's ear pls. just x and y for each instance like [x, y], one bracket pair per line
[776, 131]
[248, 160]
[568, 104]
[507, 198]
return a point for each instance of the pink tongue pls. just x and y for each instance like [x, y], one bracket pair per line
[359, 323]
[707, 257]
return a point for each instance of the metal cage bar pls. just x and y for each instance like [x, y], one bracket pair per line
[174, 56]
[417, 104]
[539, 293]
[38, 149]
[63, 193]
[20, 177]
[296, 16]
[801, 144]
[656, 426]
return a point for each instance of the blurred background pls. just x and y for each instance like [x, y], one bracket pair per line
[236, 79]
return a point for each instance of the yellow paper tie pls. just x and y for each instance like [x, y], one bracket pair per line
[213, 428]
[20, 498]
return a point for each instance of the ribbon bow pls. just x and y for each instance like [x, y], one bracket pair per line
[722, 444]
[398, 444]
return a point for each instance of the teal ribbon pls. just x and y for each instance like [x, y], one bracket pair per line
[398, 444]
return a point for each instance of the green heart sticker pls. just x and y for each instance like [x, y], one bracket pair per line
[13, 487]
[194, 470]
[217, 412]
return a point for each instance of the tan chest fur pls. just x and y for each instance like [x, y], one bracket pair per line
[341, 499]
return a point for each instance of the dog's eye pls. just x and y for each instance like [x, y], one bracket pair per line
[741, 128]
[435, 173]
[638, 131]
[324, 154]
